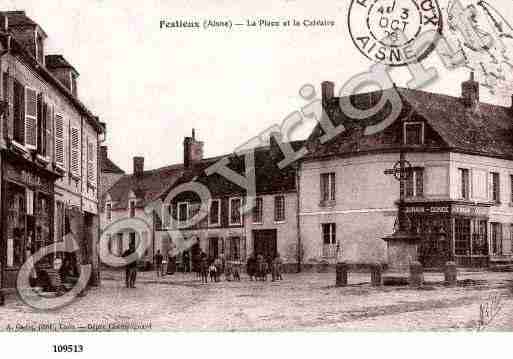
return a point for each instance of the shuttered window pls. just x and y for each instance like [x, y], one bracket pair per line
[48, 116]
[75, 151]
[91, 162]
[59, 140]
[31, 101]
[19, 112]
[41, 125]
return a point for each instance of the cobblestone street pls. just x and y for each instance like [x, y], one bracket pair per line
[299, 302]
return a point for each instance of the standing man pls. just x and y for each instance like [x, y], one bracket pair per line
[186, 262]
[158, 263]
[131, 267]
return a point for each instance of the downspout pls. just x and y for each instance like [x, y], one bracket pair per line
[3, 110]
[298, 218]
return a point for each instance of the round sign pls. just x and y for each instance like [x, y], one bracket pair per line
[395, 32]
[402, 174]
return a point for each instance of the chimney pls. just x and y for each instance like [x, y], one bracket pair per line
[470, 92]
[192, 150]
[138, 166]
[328, 90]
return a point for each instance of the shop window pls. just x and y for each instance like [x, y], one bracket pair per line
[328, 187]
[258, 210]
[464, 183]
[414, 184]
[496, 238]
[235, 211]
[462, 237]
[16, 225]
[214, 214]
[495, 187]
[479, 238]
[279, 208]
[42, 215]
[329, 236]
[414, 133]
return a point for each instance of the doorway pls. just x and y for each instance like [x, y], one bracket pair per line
[265, 242]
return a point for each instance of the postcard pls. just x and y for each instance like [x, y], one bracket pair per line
[342, 167]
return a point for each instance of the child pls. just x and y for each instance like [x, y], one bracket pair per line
[213, 272]
[236, 271]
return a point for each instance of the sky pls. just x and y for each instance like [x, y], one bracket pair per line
[152, 86]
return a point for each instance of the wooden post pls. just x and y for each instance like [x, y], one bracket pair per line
[450, 274]
[376, 275]
[416, 274]
[341, 273]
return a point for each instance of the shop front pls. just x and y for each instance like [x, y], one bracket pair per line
[451, 231]
[27, 214]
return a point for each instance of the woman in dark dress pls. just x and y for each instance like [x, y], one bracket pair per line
[251, 267]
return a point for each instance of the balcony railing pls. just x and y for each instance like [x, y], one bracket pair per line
[329, 250]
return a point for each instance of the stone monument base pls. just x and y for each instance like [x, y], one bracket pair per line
[402, 249]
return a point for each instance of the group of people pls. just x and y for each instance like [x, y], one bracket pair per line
[259, 267]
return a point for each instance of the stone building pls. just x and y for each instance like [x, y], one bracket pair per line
[130, 196]
[228, 230]
[49, 144]
[458, 194]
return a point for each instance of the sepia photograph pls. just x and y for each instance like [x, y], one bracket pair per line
[286, 166]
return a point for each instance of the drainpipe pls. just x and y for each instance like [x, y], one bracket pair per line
[298, 218]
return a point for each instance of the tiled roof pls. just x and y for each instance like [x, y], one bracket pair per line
[58, 61]
[107, 166]
[450, 126]
[269, 177]
[147, 187]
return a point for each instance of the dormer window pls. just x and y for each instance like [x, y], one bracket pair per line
[414, 133]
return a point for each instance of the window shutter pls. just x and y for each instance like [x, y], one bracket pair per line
[31, 103]
[59, 140]
[91, 163]
[41, 126]
[19, 112]
[7, 94]
[49, 127]
[75, 151]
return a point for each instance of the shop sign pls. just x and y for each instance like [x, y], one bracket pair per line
[28, 178]
[428, 209]
[470, 210]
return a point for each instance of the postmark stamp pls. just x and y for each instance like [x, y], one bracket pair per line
[386, 31]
